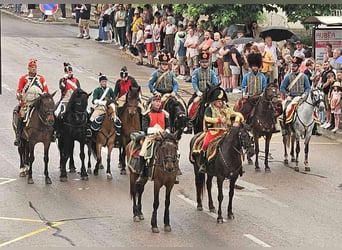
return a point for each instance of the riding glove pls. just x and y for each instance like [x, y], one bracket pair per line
[199, 93]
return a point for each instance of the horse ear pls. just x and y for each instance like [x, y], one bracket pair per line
[90, 94]
[53, 94]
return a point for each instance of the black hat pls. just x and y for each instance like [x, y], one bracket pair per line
[218, 94]
[204, 56]
[156, 97]
[67, 67]
[123, 72]
[254, 59]
[164, 58]
[102, 77]
[297, 60]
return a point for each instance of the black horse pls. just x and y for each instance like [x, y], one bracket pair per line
[227, 163]
[73, 128]
[177, 110]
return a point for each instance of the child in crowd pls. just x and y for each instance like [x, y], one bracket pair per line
[335, 104]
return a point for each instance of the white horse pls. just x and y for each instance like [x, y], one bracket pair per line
[302, 125]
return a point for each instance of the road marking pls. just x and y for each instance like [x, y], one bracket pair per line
[194, 204]
[19, 219]
[256, 240]
[6, 180]
[55, 224]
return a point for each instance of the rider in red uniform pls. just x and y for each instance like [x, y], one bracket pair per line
[29, 87]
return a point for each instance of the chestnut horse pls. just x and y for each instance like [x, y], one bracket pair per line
[39, 128]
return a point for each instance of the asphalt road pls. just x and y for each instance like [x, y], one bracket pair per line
[283, 208]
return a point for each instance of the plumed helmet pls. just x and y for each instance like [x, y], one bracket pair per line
[123, 72]
[67, 67]
[164, 58]
[204, 56]
[218, 94]
[102, 77]
[32, 63]
[254, 59]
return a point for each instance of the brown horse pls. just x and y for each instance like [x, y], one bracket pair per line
[164, 171]
[130, 116]
[105, 137]
[260, 113]
[39, 128]
[227, 163]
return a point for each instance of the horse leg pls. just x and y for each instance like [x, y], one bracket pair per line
[89, 159]
[122, 159]
[210, 197]
[155, 207]
[233, 179]
[21, 151]
[109, 174]
[297, 154]
[98, 159]
[46, 163]
[293, 140]
[306, 159]
[72, 168]
[267, 149]
[31, 160]
[199, 182]
[167, 226]
[134, 193]
[64, 155]
[84, 175]
[286, 160]
[140, 189]
[257, 149]
[220, 199]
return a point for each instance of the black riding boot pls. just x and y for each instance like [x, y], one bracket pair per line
[118, 125]
[203, 162]
[143, 170]
[20, 127]
[89, 132]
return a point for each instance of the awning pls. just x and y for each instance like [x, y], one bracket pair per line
[327, 20]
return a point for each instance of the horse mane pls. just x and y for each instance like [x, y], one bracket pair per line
[39, 99]
[77, 92]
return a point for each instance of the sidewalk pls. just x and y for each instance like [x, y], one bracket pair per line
[56, 20]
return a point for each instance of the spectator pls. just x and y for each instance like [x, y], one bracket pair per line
[149, 44]
[336, 54]
[120, 19]
[327, 79]
[335, 104]
[299, 49]
[274, 50]
[267, 62]
[235, 67]
[62, 7]
[137, 20]
[139, 43]
[328, 52]
[214, 49]
[224, 52]
[84, 21]
[180, 53]
[156, 32]
[206, 43]
[30, 8]
[101, 33]
[256, 31]
[107, 23]
[129, 20]
[191, 43]
[170, 31]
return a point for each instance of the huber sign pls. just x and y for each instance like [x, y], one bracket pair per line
[324, 36]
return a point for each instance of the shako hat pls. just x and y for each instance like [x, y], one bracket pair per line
[164, 58]
[102, 77]
[124, 72]
[67, 67]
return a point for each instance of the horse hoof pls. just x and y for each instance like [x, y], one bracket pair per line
[257, 169]
[141, 217]
[109, 176]
[286, 162]
[307, 169]
[199, 208]
[84, 178]
[72, 170]
[96, 173]
[219, 220]
[22, 174]
[123, 171]
[155, 230]
[231, 216]
[48, 180]
[250, 162]
[267, 169]
[89, 171]
[167, 228]
[293, 160]
[212, 210]
[136, 218]
[296, 169]
[63, 179]
[101, 166]
[30, 181]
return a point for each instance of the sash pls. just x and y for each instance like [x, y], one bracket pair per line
[294, 81]
[160, 78]
[71, 83]
[29, 84]
[104, 94]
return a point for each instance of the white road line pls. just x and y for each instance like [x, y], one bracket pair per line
[194, 204]
[6, 180]
[256, 240]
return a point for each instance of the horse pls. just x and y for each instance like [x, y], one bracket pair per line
[130, 116]
[74, 126]
[177, 110]
[226, 163]
[165, 165]
[262, 119]
[199, 108]
[105, 137]
[39, 128]
[302, 125]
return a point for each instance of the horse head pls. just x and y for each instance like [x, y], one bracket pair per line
[271, 93]
[246, 139]
[132, 100]
[317, 98]
[178, 114]
[76, 110]
[111, 110]
[45, 106]
[166, 153]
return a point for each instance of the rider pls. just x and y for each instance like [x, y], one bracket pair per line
[29, 87]
[294, 84]
[163, 80]
[67, 84]
[101, 95]
[253, 83]
[122, 87]
[153, 121]
[217, 117]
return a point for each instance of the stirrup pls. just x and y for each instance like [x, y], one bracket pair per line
[202, 169]
[89, 133]
[139, 181]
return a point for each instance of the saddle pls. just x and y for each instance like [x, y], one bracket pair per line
[290, 109]
[96, 124]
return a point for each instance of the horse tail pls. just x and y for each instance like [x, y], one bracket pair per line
[288, 140]
[200, 183]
